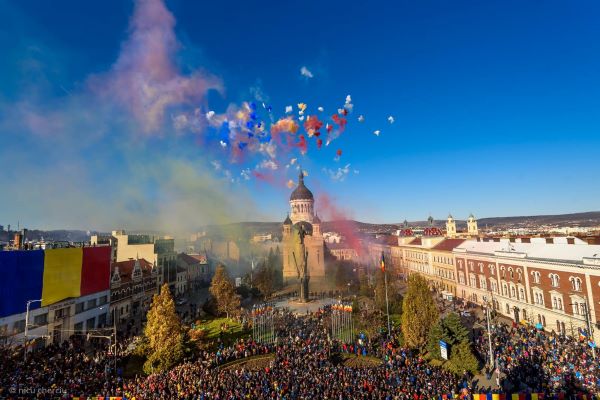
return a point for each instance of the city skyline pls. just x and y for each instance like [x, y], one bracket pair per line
[493, 110]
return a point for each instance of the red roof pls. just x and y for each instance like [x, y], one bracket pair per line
[126, 268]
[448, 244]
[193, 258]
[416, 242]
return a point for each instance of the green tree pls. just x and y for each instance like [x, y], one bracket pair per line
[163, 335]
[419, 312]
[462, 359]
[264, 280]
[223, 291]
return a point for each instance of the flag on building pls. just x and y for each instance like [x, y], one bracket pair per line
[382, 262]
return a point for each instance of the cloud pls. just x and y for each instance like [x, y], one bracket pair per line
[305, 72]
[145, 79]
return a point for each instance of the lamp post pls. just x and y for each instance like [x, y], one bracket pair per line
[115, 334]
[27, 326]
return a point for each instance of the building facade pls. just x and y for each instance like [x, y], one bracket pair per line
[302, 217]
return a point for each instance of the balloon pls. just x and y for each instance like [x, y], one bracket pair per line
[339, 153]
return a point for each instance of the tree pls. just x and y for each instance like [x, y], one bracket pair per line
[222, 289]
[264, 280]
[394, 297]
[419, 312]
[462, 359]
[163, 335]
[451, 330]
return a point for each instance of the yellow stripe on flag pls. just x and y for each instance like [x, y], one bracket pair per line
[62, 274]
[534, 396]
[515, 396]
[496, 396]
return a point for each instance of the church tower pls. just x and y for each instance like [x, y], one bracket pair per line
[472, 226]
[302, 215]
[450, 227]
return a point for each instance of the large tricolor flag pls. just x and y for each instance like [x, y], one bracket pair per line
[382, 262]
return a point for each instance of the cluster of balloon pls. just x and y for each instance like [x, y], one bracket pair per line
[252, 130]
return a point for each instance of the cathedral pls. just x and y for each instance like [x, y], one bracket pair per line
[302, 214]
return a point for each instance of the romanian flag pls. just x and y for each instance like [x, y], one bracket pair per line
[382, 262]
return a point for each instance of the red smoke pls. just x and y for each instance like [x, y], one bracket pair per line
[343, 225]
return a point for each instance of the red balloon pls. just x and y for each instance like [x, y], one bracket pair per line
[339, 153]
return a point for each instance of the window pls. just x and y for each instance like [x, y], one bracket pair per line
[504, 289]
[471, 265]
[554, 280]
[522, 294]
[473, 280]
[461, 278]
[480, 265]
[91, 304]
[19, 326]
[78, 327]
[492, 269]
[519, 275]
[575, 283]
[41, 319]
[502, 272]
[102, 319]
[103, 300]
[79, 307]
[536, 276]
[507, 308]
[513, 291]
[494, 285]
[89, 324]
[511, 273]
[482, 282]
[575, 308]
[557, 302]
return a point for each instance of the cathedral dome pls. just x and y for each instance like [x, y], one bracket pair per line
[301, 192]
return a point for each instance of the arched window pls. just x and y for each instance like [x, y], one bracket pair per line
[511, 273]
[554, 280]
[502, 272]
[536, 276]
[522, 293]
[575, 283]
[513, 291]
[519, 275]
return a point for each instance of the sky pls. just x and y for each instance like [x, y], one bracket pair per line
[111, 113]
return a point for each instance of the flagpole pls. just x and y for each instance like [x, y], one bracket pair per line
[387, 304]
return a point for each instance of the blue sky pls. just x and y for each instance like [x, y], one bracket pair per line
[495, 105]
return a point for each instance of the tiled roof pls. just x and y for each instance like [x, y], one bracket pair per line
[126, 268]
[448, 244]
[416, 242]
[193, 258]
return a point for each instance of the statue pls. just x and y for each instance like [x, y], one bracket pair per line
[303, 268]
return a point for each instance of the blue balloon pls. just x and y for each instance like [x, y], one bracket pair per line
[250, 125]
[242, 145]
[252, 105]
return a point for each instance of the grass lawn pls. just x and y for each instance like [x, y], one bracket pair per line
[213, 330]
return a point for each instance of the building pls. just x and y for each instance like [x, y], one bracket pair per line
[265, 237]
[133, 283]
[554, 282]
[472, 229]
[197, 269]
[302, 216]
[67, 290]
[443, 268]
[160, 251]
[342, 251]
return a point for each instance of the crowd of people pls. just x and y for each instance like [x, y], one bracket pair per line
[302, 365]
[531, 360]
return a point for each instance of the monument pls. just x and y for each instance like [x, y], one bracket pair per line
[302, 269]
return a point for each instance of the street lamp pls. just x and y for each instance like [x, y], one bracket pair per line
[114, 333]
[27, 325]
